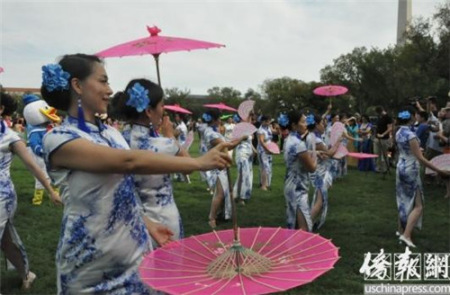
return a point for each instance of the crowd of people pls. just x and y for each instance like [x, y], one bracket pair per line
[114, 176]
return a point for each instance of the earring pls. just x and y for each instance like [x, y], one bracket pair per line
[81, 122]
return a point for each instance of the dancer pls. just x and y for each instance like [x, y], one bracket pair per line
[264, 135]
[11, 143]
[104, 235]
[244, 162]
[299, 163]
[409, 188]
[155, 191]
[218, 177]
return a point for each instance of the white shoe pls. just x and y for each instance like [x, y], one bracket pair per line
[397, 233]
[408, 243]
[26, 283]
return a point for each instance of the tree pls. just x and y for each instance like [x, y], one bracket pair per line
[175, 95]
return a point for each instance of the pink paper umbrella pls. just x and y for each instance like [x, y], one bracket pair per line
[155, 45]
[336, 132]
[245, 108]
[340, 152]
[442, 162]
[177, 108]
[362, 155]
[330, 90]
[259, 261]
[273, 147]
[220, 106]
[243, 129]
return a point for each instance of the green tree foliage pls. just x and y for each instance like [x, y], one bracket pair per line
[176, 95]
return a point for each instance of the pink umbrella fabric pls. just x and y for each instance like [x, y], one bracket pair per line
[243, 129]
[295, 257]
[245, 108]
[330, 90]
[220, 106]
[362, 155]
[273, 147]
[442, 162]
[155, 45]
[1, 70]
[177, 108]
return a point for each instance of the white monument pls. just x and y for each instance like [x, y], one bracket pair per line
[404, 19]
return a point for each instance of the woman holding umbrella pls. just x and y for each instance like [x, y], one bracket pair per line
[299, 163]
[409, 188]
[104, 234]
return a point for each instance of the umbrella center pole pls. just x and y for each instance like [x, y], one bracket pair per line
[238, 260]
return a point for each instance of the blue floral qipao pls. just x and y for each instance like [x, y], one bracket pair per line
[203, 149]
[321, 180]
[216, 174]
[265, 159]
[408, 181]
[155, 191]
[244, 163]
[8, 197]
[103, 236]
[296, 182]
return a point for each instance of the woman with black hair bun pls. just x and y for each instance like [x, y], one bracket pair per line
[299, 163]
[141, 132]
[104, 235]
[409, 189]
[10, 144]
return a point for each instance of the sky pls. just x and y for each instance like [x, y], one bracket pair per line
[264, 39]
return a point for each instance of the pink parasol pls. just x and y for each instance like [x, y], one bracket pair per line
[362, 155]
[177, 108]
[330, 90]
[442, 162]
[220, 106]
[340, 152]
[281, 259]
[1, 70]
[155, 45]
[243, 129]
[245, 108]
[273, 147]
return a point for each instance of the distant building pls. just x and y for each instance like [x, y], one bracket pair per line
[18, 90]
[404, 19]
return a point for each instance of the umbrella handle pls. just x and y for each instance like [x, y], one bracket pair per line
[233, 205]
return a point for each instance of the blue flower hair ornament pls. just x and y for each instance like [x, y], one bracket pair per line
[310, 120]
[207, 117]
[404, 115]
[283, 120]
[55, 78]
[138, 97]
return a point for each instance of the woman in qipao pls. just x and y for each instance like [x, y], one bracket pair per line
[299, 163]
[10, 144]
[141, 104]
[218, 177]
[104, 234]
[264, 135]
[244, 161]
[409, 188]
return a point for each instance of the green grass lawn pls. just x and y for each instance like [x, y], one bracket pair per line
[362, 218]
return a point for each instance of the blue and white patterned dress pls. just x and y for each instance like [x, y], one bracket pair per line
[296, 182]
[244, 163]
[218, 175]
[156, 191]
[265, 159]
[8, 197]
[103, 236]
[203, 149]
[321, 180]
[408, 181]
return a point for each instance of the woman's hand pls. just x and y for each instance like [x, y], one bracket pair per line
[55, 197]
[216, 158]
[167, 127]
[159, 232]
